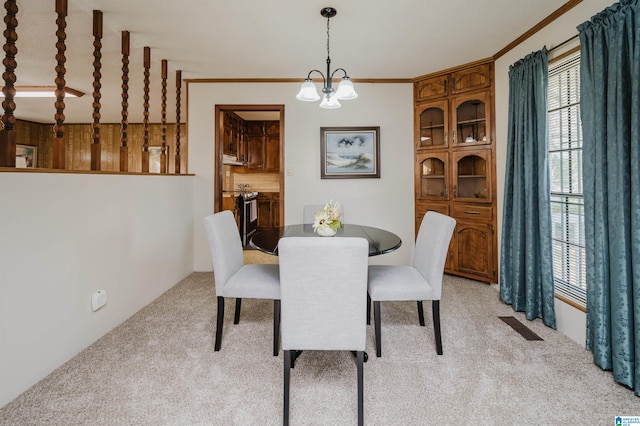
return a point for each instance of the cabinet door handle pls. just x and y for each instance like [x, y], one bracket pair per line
[471, 212]
[446, 139]
[455, 191]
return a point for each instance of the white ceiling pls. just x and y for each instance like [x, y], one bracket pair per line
[371, 39]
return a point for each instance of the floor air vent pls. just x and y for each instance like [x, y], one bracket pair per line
[521, 328]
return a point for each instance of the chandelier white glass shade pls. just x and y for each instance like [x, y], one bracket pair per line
[331, 97]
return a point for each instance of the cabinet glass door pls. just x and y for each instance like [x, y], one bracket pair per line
[433, 177]
[472, 176]
[433, 124]
[471, 120]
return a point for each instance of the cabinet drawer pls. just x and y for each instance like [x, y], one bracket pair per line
[473, 212]
[422, 208]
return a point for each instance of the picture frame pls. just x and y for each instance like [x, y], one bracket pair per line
[349, 152]
[26, 156]
[155, 157]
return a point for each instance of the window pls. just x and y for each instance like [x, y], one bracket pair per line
[565, 168]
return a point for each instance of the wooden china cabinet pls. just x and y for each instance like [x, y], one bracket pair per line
[455, 163]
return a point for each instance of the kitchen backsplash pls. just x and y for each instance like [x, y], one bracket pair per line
[260, 182]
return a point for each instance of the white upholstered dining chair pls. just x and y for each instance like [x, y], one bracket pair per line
[235, 279]
[323, 283]
[421, 281]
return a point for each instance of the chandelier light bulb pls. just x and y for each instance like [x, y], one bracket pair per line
[345, 91]
[330, 101]
[308, 92]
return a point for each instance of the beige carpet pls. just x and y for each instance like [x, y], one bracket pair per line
[159, 368]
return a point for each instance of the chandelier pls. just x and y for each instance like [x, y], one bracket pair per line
[331, 98]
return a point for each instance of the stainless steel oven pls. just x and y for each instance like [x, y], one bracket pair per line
[247, 203]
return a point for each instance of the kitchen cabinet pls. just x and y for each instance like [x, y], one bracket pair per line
[263, 145]
[268, 210]
[455, 164]
[232, 135]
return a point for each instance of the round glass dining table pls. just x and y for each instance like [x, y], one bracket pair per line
[380, 241]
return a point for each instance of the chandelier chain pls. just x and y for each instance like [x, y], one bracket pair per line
[328, 53]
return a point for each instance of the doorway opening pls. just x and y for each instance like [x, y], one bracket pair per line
[249, 164]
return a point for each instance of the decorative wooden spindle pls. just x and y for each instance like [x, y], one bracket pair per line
[178, 87]
[163, 119]
[8, 134]
[124, 123]
[145, 119]
[97, 75]
[58, 155]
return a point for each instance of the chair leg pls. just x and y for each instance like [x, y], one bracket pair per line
[287, 374]
[420, 313]
[436, 325]
[219, 323]
[276, 327]
[376, 320]
[360, 357]
[368, 309]
[236, 316]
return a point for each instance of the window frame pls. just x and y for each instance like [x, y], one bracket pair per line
[570, 263]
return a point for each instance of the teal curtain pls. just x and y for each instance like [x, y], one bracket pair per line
[610, 105]
[526, 277]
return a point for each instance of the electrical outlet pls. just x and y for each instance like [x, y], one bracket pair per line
[98, 300]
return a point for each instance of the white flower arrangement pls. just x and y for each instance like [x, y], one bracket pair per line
[329, 216]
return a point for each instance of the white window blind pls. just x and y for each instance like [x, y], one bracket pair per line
[565, 168]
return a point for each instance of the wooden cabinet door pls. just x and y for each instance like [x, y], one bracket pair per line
[432, 181]
[431, 88]
[264, 213]
[268, 210]
[471, 171]
[432, 125]
[229, 145]
[255, 149]
[473, 252]
[471, 119]
[255, 128]
[272, 153]
[473, 78]
[272, 127]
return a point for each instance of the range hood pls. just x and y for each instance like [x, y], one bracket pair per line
[231, 160]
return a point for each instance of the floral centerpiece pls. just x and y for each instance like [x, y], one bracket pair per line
[326, 222]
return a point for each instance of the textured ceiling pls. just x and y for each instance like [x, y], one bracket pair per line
[375, 39]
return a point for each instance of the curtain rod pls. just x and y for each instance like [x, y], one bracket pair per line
[563, 43]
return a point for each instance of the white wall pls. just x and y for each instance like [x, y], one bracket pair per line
[570, 321]
[64, 236]
[385, 203]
